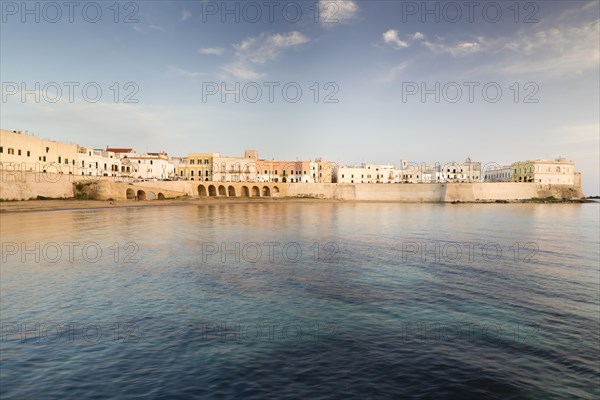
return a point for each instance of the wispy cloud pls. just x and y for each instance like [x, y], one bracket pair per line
[560, 51]
[146, 28]
[215, 51]
[393, 73]
[185, 15]
[457, 49]
[259, 50]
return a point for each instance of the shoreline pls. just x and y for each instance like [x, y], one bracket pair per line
[20, 206]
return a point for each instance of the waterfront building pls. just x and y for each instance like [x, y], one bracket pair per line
[368, 173]
[26, 152]
[97, 162]
[197, 167]
[469, 171]
[498, 173]
[236, 169]
[283, 171]
[149, 166]
[560, 171]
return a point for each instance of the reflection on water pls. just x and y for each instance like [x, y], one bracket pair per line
[302, 299]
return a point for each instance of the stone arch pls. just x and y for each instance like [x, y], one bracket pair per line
[202, 191]
[245, 191]
[130, 194]
[151, 196]
[255, 191]
[222, 191]
[231, 191]
[161, 196]
[275, 190]
[266, 192]
[212, 191]
[141, 195]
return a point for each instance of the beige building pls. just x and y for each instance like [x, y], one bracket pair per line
[560, 171]
[25, 152]
[469, 171]
[236, 169]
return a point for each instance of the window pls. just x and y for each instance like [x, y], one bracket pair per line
[59, 160]
[47, 149]
[44, 158]
[1, 149]
[150, 162]
[19, 152]
[342, 175]
[275, 172]
[28, 153]
[265, 172]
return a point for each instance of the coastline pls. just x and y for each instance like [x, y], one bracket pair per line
[72, 204]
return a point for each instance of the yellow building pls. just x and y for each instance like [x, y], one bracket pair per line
[197, 167]
[24, 152]
[559, 172]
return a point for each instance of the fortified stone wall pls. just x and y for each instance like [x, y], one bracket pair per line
[24, 186]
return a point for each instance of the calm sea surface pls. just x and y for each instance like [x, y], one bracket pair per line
[303, 300]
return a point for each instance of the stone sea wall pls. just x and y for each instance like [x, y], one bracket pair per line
[24, 186]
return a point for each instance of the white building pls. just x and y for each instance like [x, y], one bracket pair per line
[469, 171]
[368, 173]
[498, 173]
[97, 162]
[147, 166]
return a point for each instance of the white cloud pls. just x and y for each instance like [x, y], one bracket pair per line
[456, 50]
[185, 15]
[258, 50]
[216, 51]
[558, 51]
[418, 36]
[332, 12]
[391, 37]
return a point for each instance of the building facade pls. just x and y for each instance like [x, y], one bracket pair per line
[25, 152]
[498, 173]
[560, 171]
[98, 163]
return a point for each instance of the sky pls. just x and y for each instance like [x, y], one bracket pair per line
[347, 81]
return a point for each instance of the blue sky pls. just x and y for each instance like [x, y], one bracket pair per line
[372, 55]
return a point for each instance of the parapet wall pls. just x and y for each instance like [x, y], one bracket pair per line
[24, 186]
[434, 192]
